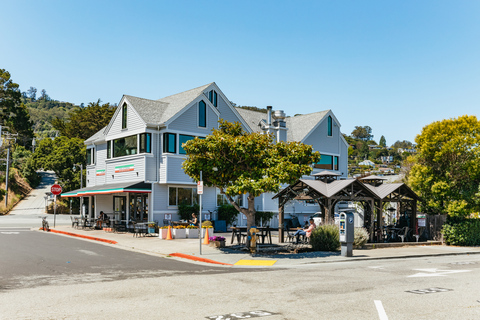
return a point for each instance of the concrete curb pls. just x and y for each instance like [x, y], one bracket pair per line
[81, 236]
[194, 258]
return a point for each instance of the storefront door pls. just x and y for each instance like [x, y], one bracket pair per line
[139, 207]
[120, 207]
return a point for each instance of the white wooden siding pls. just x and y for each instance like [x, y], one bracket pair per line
[188, 121]
[134, 123]
[104, 203]
[100, 157]
[175, 171]
[137, 174]
[90, 176]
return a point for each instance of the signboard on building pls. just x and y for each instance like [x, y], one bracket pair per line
[200, 187]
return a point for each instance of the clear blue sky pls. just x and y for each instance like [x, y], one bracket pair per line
[395, 66]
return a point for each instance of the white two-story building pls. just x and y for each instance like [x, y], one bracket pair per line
[134, 165]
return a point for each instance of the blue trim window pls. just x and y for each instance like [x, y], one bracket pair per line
[182, 138]
[169, 142]
[213, 97]
[146, 143]
[329, 126]
[326, 162]
[202, 114]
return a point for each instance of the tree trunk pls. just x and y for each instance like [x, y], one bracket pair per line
[251, 243]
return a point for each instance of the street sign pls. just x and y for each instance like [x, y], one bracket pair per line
[56, 189]
[200, 187]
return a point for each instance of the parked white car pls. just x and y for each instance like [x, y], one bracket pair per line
[317, 218]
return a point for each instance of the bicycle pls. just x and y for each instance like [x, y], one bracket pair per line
[45, 226]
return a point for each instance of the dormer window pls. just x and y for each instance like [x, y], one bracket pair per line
[213, 97]
[202, 114]
[124, 116]
[329, 132]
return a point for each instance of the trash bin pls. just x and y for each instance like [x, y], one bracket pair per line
[220, 226]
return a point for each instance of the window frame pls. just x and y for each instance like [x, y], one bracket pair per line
[180, 148]
[329, 126]
[202, 114]
[124, 115]
[166, 142]
[123, 155]
[145, 143]
[109, 149]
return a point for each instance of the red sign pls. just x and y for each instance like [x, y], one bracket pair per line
[200, 187]
[56, 189]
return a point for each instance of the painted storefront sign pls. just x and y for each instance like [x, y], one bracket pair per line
[124, 168]
[100, 172]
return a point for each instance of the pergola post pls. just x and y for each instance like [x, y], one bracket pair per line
[281, 214]
[372, 220]
[380, 219]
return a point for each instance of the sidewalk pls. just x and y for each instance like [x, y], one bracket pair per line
[188, 250]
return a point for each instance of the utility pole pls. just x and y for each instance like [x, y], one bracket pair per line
[8, 136]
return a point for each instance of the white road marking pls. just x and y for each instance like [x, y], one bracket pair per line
[90, 253]
[381, 311]
[9, 232]
[435, 272]
[377, 267]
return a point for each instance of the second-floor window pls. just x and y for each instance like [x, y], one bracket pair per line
[327, 162]
[109, 149]
[169, 142]
[145, 143]
[124, 116]
[90, 156]
[202, 114]
[182, 138]
[125, 146]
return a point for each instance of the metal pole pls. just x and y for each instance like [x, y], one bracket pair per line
[6, 178]
[200, 218]
[55, 211]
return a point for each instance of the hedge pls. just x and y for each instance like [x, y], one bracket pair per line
[464, 232]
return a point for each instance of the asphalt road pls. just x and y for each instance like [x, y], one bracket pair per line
[37, 259]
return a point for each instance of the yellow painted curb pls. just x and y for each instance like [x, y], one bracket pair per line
[255, 263]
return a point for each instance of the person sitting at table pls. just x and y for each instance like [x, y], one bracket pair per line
[306, 231]
[194, 220]
[102, 218]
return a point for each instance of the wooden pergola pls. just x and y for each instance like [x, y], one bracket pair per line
[327, 191]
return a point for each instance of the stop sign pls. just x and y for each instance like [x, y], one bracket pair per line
[56, 189]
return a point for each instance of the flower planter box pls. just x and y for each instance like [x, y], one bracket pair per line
[192, 233]
[179, 233]
[210, 232]
[217, 244]
[162, 233]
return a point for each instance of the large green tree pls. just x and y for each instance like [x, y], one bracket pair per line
[85, 122]
[12, 112]
[363, 133]
[60, 155]
[446, 169]
[246, 163]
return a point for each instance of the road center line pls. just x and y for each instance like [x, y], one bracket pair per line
[381, 312]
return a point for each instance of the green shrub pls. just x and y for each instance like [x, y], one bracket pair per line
[325, 238]
[360, 237]
[462, 232]
[263, 216]
[228, 213]
[185, 211]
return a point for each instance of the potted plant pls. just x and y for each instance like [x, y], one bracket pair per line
[162, 232]
[207, 225]
[217, 241]
[179, 232]
[152, 227]
[192, 232]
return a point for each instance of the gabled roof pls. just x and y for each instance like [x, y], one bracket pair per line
[178, 101]
[99, 136]
[253, 118]
[300, 126]
[151, 111]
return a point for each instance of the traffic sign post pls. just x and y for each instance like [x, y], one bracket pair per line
[56, 189]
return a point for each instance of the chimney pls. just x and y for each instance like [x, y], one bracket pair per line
[269, 115]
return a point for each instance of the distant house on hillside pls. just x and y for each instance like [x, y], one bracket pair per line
[367, 163]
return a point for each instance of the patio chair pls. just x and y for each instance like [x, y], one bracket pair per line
[289, 236]
[403, 234]
[74, 222]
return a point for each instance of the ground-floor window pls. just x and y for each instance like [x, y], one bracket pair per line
[139, 207]
[182, 195]
[222, 199]
[120, 207]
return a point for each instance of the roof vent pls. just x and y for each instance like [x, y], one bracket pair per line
[279, 114]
